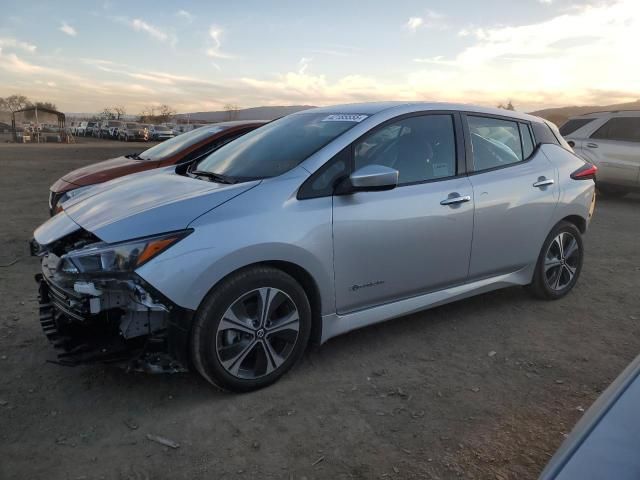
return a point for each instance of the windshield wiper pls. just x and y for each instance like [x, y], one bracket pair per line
[135, 156]
[216, 177]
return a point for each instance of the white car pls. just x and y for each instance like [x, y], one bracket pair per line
[611, 141]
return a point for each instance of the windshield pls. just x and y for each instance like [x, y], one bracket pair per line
[176, 144]
[161, 128]
[279, 146]
[132, 125]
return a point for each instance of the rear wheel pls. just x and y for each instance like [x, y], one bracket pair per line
[559, 263]
[251, 329]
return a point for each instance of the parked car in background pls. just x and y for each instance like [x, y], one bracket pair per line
[604, 443]
[177, 150]
[160, 132]
[316, 224]
[132, 131]
[91, 128]
[81, 129]
[108, 128]
[611, 141]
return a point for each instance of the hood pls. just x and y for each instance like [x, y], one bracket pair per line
[107, 170]
[147, 204]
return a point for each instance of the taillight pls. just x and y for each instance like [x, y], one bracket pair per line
[586, 172]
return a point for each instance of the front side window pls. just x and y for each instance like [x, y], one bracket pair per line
[495, 142]
[626, 129]
[421, 148]
[279, 146]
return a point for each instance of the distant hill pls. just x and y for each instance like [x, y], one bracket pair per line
[561, 114]
[255, 113]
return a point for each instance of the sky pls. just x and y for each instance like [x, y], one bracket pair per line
[202, 55]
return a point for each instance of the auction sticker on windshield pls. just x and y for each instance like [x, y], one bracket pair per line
[344, 117]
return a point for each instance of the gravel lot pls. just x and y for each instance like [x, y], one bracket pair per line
[483, 388]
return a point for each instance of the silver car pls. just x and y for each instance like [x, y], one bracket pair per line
[611, 141]
[313, 225]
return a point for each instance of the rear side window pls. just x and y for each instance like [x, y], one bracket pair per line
[495, 142]
[572, 125]
[527, 140]
[626, 129]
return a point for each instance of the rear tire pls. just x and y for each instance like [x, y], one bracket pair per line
[236, 343]
[559, 263]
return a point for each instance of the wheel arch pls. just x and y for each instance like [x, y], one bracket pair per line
[578, 221]
[306, 281]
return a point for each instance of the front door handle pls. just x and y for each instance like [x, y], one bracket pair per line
[543, 182]
[592, 145]
[455, 200]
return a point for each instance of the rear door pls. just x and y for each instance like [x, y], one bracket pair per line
[515, 190]
[416, 238]
[615, 149]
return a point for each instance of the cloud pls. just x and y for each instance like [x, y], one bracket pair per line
[214, 49]
[68, 29]
[430, 19]
[413, 23]
[13, 43]
[189, 17]
[303, 64]
[142, 26]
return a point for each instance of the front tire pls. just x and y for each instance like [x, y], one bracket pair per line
[559, 263]
[251, 329]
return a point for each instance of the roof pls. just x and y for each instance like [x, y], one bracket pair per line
[40, 109]
[372, 108]
[606, 113]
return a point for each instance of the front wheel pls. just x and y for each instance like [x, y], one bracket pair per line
[559, 263]
[251, 329]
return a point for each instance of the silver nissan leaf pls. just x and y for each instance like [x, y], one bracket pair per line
[313, 225]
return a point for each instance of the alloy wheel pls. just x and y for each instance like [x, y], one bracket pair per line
[561, 261]
[257, 333]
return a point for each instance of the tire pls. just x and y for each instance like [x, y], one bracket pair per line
[555, 275]
[234, 353]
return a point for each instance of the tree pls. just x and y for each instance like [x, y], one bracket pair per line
[119, 111]
[107, 114]
[232, 111]
[508, 107]
[49, 105]
[165, 113]
[147, 114]
[157, 113]
[14, 102]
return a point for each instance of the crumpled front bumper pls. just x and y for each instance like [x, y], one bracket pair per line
[112, 320]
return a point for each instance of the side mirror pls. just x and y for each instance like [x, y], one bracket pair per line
[370, 178]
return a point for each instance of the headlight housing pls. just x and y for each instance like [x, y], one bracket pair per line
[68, 195]
[119, 257]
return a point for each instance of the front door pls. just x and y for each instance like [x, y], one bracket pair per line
[415, 238]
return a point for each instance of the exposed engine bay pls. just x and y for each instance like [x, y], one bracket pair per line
[109, 318]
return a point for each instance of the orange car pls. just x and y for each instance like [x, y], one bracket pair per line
[183, 148]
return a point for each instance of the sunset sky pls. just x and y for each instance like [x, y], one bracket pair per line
[195, 56]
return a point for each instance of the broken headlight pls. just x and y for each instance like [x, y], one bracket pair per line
[118, 257]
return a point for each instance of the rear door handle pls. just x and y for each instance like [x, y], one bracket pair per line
[543, 182]
[455, 200]
[592, 145]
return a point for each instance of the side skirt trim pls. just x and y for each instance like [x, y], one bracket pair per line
[334, 324]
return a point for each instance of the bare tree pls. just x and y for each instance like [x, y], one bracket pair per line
[14, 102]
[165, 113]
[119, 111]
[232, 111]
[147, 114]
[509, 106]
[107, 114]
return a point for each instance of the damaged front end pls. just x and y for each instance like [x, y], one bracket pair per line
[95, 308]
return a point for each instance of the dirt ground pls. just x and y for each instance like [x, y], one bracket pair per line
[423, 396]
